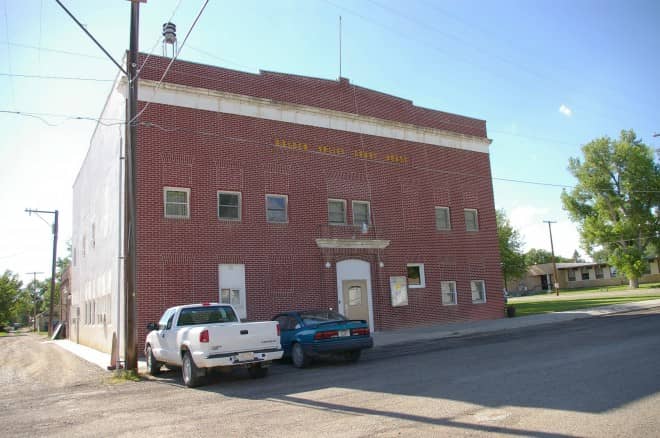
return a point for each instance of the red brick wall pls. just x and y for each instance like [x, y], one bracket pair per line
[206, 152]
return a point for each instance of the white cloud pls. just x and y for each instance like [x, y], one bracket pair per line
[565, 110]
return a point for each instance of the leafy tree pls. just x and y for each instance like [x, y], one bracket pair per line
[10, 288]
[616, 200]
[576, 257]
[538, 256]
[510, 242]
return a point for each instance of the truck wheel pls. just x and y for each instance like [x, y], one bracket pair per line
[153, 366]
[189, 371]
[298, 356]
[258, 372]
[353, 356]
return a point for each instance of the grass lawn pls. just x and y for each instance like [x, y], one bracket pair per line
[534, 307]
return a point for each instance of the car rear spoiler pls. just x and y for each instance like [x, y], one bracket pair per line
[361, 321]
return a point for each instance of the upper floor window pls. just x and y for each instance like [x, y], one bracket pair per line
[415, 272]
[276, 208]
[177, 202]
[478, 291]
[361, 213]
[471, 220]
[229, 206]
[442, 220]
[336, 212]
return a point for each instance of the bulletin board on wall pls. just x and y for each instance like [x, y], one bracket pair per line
[399, 291]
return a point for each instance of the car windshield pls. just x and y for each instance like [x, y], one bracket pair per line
[206, 315]
[319, 316]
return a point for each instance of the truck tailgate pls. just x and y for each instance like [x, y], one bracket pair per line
[245, 337]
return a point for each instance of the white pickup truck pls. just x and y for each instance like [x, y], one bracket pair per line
[197, 337]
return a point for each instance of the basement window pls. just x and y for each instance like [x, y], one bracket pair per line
[415, 273]
[448, 293]
[478, 291]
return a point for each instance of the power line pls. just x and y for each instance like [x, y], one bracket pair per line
[199, 14]
[66, 78]
[47, 49]
[11, 82]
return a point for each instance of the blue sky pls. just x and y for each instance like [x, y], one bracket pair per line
[512, 63]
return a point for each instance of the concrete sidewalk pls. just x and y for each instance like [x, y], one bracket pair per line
[388, 338]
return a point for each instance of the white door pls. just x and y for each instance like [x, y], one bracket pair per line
[232, 287]
[350, 274]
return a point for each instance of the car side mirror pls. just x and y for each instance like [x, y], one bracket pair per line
[152, 326]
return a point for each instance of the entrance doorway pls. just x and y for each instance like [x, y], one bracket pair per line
[354, 294]
[356, 300]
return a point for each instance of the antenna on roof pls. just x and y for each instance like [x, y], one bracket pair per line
[340, 47]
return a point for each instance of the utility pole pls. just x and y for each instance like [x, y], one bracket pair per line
[130, 255]
[52, 276]
[554, 259]
[34, 297]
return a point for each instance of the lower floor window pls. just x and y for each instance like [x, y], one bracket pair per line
[478, 291]
[448, 292]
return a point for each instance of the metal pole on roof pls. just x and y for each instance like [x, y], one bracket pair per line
[554, 259]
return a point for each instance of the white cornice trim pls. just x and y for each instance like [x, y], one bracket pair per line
[238, 104]
[353, 243]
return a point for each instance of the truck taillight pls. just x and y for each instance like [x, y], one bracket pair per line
[204, 336]
[278, 329]
[326, 335]
[363, 331]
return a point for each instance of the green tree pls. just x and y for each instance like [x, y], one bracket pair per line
[513, 260]
[616, 200]
[576, 257]
[10, 289]
[538, 256]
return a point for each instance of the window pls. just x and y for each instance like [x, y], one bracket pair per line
[230, 296]
[647, 268]
[571, 274]
[585, 274]
[361, 213]
[177, 202]
[478, 291]
[336, 212]
[416, 275]
[448, 289]
[599, 271]
[276, 206]
[612, 272]
[442, 220]
[229, 206]
[471, 220]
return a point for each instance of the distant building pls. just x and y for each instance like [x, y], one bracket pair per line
[273, 191]
[577, 275]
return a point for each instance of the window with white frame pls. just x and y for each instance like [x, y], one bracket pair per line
[442, 219]
[361, 213]
[448, 289]
[177, 202]
[336, 212]
[478, 291]
[229, 206]
[276, 208]
[612, 272]
[471, 220]
[415, 274]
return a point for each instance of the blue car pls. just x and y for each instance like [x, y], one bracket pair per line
[307, 335]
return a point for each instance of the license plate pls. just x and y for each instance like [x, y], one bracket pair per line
[344, 333]
[245, 356]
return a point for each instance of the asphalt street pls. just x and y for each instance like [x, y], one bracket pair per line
[592, 377]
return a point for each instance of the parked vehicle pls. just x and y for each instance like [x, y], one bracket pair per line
[198, 337]
[311, 334]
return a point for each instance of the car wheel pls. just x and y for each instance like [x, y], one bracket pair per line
[258, 372]
[353, 356]
[298, 356]
[153, 366]
[190, 371]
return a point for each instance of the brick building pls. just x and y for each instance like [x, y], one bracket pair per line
[274, 191]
